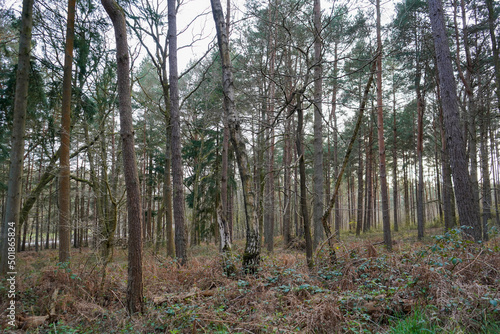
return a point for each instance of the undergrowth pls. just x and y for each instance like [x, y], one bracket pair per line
[446, 285]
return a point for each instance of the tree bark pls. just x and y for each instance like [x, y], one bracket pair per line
[395, 200]
[64, 172]
[269, 202]
[494, 47]
[177, 178]
[420, 151]
[303, 189]
[318, 127]
[381, 141]
[135, 298]
[287, 159]
[485, 170]
[359, 216]
[467, 208]
[251, 257]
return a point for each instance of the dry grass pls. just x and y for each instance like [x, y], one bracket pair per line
[453, 282]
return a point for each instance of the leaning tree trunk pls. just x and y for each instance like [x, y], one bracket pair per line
[135, 297]
[177, 179]
[251, 257]
[333, 200]
[464, 192]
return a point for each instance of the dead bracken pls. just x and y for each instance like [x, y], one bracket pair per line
[453, 282]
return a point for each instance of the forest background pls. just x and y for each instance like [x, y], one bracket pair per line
[315, 130]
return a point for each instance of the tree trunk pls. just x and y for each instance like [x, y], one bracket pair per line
[333, 200]
[359, 217]
[405, 190]
[336, 151]
[467, 208]
[177, 178]
[10, 222]
[470, 102]
[287, 161]
[49, 217]
[223, 209]
[420, 150]
[494, 170]
[318, 127]
[64, 172]
[369, 181]
[303, 190]
[494, 47]
[251, 257]
[485, 172]
[381, 141]
[269, 202]
[135, 298]
[395, 200]
[448, 198]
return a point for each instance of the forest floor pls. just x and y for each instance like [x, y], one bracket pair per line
[444, 284]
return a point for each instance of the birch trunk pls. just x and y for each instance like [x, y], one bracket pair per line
[251, 257]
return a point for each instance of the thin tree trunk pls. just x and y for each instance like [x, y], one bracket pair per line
[37, 214]
[394, 160]
[303, 190]
[318, 127]
[64, 172]
[335, 162]
[324, 219]
[420, 149]
[405, 190]
[177, 178]
[49, 218]
[225, 228]
[494, 171]
[167, 188]
[381, 141]
[251, 257]
[494, 47]
[485, 172]
[369, 183]
[359, 217]
[135, 297]
[287, 160]
[269, 202]
[14, 187]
